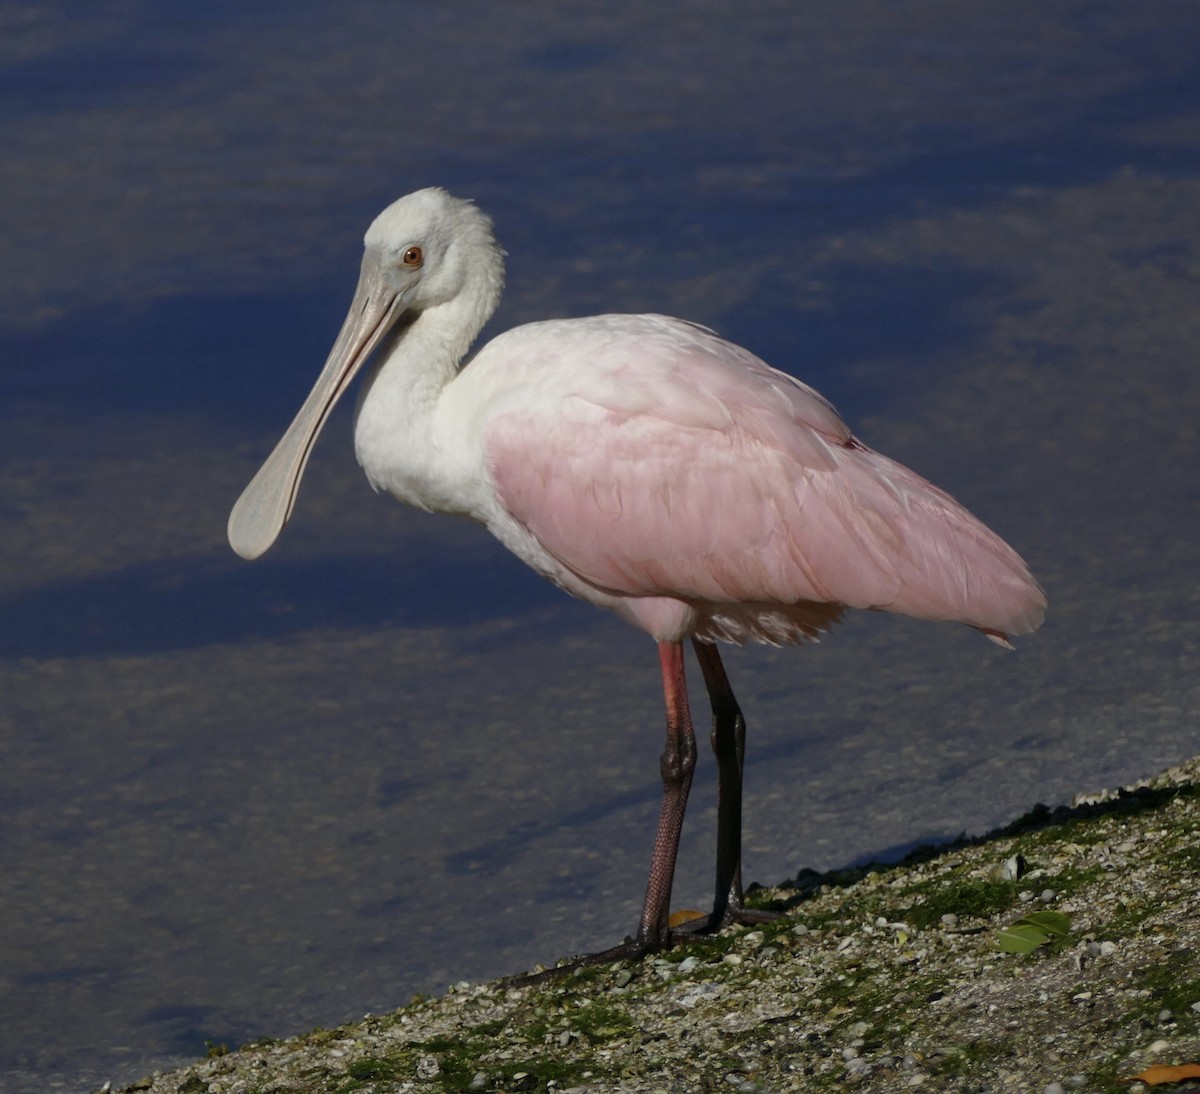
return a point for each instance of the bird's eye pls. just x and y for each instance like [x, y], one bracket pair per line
[413, 256]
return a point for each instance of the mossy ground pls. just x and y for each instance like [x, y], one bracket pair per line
[895, 966]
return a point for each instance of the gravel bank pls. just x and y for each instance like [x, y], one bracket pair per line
[881, 979]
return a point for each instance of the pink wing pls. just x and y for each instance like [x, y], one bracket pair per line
[670, 463]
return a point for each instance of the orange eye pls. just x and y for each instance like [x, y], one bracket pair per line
[413, 256]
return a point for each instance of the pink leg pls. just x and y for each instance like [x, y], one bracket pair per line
[729, 745]
[677, 764]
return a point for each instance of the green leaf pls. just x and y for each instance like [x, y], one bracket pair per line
[1033, 930]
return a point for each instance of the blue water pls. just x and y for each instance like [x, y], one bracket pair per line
[242, 800]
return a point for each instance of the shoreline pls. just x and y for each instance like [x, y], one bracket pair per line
[880, 978]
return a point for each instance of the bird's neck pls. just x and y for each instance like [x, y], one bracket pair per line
[393, 431]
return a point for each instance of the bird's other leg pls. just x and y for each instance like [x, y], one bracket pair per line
[677, 765]
[729, 746]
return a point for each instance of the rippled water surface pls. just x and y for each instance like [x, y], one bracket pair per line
[246, 799]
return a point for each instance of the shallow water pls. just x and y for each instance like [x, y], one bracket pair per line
[242, 800]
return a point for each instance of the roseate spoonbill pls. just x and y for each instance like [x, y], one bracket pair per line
[645, 465]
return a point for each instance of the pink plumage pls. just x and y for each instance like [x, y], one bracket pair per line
[676, 465]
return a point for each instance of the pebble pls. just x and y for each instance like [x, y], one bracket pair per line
[688, 964]
[478, 1081]
[1165, 1016]
[623, 978]
[1010, 869]
[1048, 896]
[428, 1068]
[1075, 1082]
[1054, 1088]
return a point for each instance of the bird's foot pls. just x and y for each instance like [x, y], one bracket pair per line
[632, 949]
[747, 917]
[642, 945]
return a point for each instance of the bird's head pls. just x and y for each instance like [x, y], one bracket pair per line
[428, 250]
